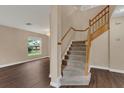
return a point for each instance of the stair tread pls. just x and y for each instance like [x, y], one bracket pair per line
[77, 51]
[75, 61]
[72, 68]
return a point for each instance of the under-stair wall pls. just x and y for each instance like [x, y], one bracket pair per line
[100, 49]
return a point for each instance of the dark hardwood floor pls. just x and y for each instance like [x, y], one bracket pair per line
[27, 75]
[35, 75]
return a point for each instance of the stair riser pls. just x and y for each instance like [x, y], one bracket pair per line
[78, 42]
[78, 45]
[78, 53]
[76, 49]
[77, 57]
[73, 69]
[76, 64]
[80, 48]
[65, 73]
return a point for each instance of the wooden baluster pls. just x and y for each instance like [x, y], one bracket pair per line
[105, 17]
[94, 24]
[98, 23]
[91, 28]
[102, 18]
[108, 18]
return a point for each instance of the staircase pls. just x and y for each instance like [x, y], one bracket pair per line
[73, 73]
[75, 69]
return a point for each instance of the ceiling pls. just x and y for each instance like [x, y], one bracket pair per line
[33, 18]
[119, 11]
[87, 7]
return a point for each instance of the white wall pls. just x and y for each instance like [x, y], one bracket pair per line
[80, 36]
[13, 45]
[117, 43]
[99, 51]
[66, 12]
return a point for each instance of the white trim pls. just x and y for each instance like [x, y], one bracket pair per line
[116, 70]
[99, 67]
[66, 50]
[106, 68]
[20, 62]
[56, 83]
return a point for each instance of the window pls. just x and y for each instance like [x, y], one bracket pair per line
[34, 46]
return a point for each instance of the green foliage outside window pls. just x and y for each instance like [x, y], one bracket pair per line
[34, 47]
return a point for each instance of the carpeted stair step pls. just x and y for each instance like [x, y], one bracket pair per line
[78, 48]
[76, 80]
[77, 57]
[74, 52]
[74, 69]
[72, 45]
[75, 63]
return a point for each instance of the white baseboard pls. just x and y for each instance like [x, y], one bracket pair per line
[106, 68]
[99, 67]
[116, 70]
[20, 62]
[56, 83]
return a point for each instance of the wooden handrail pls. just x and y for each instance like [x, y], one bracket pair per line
[100, 12]
[71, 28]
